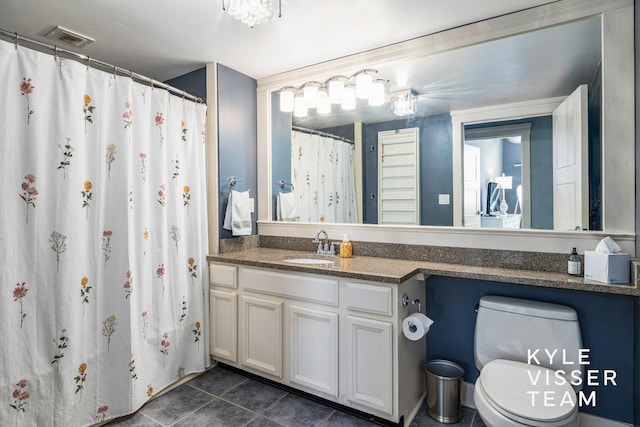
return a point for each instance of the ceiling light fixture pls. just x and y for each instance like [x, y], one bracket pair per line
[336, 90]
[251, 12]
[404, 103]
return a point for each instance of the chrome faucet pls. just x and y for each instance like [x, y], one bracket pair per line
[323, 245]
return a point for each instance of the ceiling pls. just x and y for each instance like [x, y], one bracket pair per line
[163, 39]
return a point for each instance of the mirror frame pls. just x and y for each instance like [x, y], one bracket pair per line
[618, 184]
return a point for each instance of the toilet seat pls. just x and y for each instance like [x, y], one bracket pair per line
[503, 386]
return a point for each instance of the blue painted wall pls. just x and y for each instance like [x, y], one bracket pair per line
[194, 82]
[606, 321]
[280, 148]
[237, 138]
[436, 174]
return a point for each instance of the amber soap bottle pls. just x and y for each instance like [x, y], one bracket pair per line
[346, 248]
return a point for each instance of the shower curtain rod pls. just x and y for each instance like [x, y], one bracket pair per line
[318, 132]
[104, 66]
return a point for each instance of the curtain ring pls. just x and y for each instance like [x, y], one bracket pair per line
[88, 63]
[16, 42]
[55, 53]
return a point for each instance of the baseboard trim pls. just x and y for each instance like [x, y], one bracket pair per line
[585, 420]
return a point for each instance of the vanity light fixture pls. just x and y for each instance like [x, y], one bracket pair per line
[287, 96]
[251, 12]
[376, 98]
[336, 90]
[364, 79]
[299, 108]
[310, 94]
[404, 103]
[349, 99]
[324, 105]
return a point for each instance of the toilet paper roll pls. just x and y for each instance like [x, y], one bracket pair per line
[416, 326]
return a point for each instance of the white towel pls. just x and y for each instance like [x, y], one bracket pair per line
[287, 207]
[237, 217]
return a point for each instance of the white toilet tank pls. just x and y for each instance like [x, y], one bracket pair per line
[513, 329]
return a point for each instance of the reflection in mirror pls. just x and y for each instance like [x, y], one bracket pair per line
[548, 63]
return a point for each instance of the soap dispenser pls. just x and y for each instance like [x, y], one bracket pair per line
[346, 248]
[574, 266]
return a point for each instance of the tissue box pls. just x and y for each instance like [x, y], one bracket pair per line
[606, 267]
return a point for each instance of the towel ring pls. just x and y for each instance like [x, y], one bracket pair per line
[233, 180]
[281, 183]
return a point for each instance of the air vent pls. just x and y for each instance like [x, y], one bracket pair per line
[70, 37]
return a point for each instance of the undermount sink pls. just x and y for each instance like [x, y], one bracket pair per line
[310, 261]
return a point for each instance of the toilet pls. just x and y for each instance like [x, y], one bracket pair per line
[515, 379]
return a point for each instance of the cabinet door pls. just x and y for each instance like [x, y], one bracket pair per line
[261, 335]
[314, 349]
[369, 363]
[223, 318]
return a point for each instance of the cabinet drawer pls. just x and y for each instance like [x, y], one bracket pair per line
[223, 275]
[369, 298]
[296, 286]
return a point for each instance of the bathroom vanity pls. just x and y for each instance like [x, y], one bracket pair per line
[338, 338]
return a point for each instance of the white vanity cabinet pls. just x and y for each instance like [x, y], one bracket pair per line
[332, 337]
[223, 312]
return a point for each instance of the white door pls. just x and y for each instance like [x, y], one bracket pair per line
[314, 349]
[261, 335]
[471, 165]
[570, 162]
[369, 364]
[398, 177]
[223, 319]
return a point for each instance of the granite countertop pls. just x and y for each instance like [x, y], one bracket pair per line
[396, 271]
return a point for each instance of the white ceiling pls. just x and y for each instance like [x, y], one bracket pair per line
[167, 38]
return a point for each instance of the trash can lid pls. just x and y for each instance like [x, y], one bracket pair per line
[444, 369]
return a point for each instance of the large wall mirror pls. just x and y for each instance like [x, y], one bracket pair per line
[523, 122]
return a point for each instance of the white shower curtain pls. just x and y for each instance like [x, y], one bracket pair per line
[323, 178]
[103, 241]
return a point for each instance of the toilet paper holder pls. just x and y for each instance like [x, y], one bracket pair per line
[406, 301]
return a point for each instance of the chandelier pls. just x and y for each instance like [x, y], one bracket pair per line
[341, 90]
[404, 103]
[251, 12]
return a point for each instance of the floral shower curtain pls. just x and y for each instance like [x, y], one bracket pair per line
[323, 178]
[103, 241]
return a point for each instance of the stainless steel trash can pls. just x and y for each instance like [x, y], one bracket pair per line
[444, 380]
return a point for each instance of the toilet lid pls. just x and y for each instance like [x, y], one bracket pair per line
[519, 388]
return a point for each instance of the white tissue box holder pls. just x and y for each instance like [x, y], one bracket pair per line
[606, 267]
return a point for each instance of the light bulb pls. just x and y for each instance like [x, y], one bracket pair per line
[363, 85]
[376, 97]
[324, 105]
[336, 91]
[349, 100]
[286, 100]
[300, 109]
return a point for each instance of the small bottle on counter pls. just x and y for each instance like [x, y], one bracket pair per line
[574, 266]
[346, 248]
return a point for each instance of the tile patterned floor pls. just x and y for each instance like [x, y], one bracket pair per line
[221, 397]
